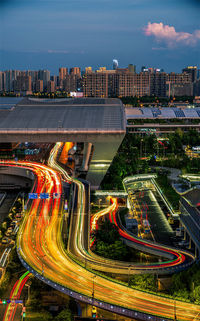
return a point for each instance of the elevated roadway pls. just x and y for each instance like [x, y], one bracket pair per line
[80, 250]
[42, 252]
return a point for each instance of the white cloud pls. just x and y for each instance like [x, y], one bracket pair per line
[169, 34]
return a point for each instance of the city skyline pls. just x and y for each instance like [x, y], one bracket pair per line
[45, 35]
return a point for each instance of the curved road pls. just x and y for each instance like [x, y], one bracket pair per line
[41, 250]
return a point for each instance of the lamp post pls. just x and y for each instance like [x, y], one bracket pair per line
[28, 286]
[129, 270]
[93, 290]
[100, 201]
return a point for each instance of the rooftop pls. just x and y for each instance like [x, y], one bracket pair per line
[162, 113]
[70, 114]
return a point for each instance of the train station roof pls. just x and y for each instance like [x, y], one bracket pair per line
[70, 114]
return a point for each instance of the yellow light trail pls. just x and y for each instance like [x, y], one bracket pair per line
[40, 246]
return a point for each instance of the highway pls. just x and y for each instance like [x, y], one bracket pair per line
[41, 250]
[81, 249]
[12, 307]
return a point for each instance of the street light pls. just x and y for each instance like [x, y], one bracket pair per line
[129, 270]
[100, 201]
[28, 286]
[94, 276]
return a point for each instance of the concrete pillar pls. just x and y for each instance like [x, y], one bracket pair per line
[102, 157]
[86, 156]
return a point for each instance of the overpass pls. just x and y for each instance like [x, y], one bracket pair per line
[40, 248]
[98, 123]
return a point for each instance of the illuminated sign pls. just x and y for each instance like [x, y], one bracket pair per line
[44, 196]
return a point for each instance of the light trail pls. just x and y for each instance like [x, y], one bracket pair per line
[11, 308]
[40, 245]
[179, 256]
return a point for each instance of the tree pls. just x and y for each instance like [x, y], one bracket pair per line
[144, 282]
[64, 315]
[196, 294]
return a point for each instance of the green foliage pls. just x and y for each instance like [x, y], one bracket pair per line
[168, 191]
[127, 161]
[115, 251]
[5, 283]
[153, 100]
[14, 264]
[35, 294]
[64, 315]
[38, 316]
[186, 284]
[108, 243]
[107, 233]
[196, 294]
[144, 282]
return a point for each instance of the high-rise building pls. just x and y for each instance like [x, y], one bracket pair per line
[120, 83]
[63, 72]
[75, 71]
[179, 84]
[23, 84]
[50, 86]
[95, 84]
[11, 75]
[88, 70]
[132, 68]
[39, 85]
[141, 85]
[197, 88]
[192, 70]
[2, 81]
[45, 76]
[158, 83]
[183, 78]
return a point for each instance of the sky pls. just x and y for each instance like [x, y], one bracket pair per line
[48, 34]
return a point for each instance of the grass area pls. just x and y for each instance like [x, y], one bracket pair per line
[168, 190]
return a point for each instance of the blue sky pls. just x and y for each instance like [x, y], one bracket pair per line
[49, 34]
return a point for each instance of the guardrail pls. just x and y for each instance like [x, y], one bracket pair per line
[92, 301]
